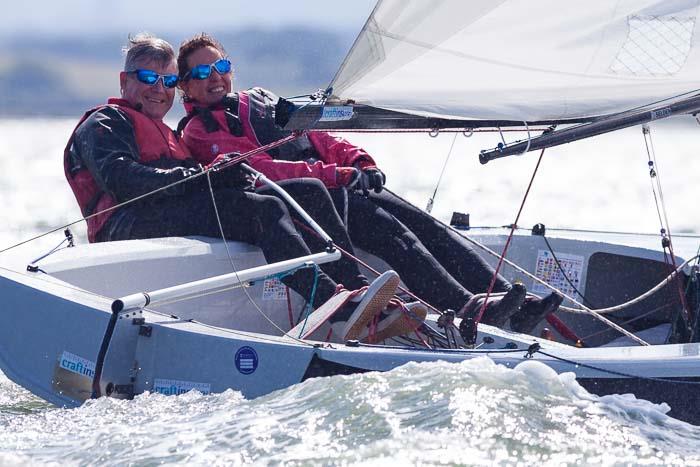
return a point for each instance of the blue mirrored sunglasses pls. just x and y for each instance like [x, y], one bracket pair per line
[151, 78]
[222, 66]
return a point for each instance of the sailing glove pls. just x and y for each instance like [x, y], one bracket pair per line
[372, 178]
[346, 176]
[229, 177]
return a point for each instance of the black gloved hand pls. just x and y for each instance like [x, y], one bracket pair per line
[371, 178]
[283, 111]
[230, 177]
[347, 176]
[178, 174]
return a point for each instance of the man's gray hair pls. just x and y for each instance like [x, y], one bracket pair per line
[145, 47]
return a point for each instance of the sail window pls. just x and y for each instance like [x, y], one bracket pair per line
[655, 45]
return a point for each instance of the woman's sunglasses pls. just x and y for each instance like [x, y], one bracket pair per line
[222, 66]
[151, 78]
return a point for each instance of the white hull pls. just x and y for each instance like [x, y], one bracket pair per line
[61, 340]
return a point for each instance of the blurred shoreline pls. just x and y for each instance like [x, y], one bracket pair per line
[63, 75]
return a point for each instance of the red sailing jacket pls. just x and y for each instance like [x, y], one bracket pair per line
[257, 127]
[154, 140]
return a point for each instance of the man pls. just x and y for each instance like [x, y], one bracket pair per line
[436, 263]
[123, 150]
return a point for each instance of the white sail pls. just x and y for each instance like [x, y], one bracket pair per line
[526, 60]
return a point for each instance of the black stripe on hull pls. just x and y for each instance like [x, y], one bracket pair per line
[684, 399]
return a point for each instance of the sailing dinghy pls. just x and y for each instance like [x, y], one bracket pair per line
[177, 314]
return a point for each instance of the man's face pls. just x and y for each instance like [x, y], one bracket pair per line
[152, 100]
[210, 90]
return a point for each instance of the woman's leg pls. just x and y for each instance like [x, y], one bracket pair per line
[314, 198]
[452, 251]
[378, 232]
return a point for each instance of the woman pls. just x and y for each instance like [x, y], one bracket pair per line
[220, 122]
[122, 150]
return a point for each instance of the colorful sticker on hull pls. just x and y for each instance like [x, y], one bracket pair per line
[549, 271]
[246, 360]
[274, 289]
[174, 387]
[76, 364]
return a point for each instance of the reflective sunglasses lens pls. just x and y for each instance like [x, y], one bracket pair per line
[222, 66]
[170, 81]
[201, 72]
[147, 76]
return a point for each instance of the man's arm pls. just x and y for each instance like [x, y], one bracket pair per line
[107, 146]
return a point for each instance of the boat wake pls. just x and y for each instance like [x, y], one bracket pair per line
[429, 413]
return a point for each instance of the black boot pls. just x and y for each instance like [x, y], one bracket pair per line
[533, 311]
[499, 309]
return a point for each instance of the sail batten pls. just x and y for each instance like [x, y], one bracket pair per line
[522, 60]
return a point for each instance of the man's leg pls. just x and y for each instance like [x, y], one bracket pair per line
[248, 217]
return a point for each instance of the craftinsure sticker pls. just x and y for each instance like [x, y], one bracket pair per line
[174, 387]
[76, 364]
[336, 113]
[72, 376]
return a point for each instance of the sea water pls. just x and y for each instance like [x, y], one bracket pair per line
[473, 413]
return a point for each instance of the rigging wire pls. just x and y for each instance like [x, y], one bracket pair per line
[590, 231]
[235, 269]
[630, 321]
[583, 308]
[368, 267]
[478, 317]
[189, 179]
[234, 158]
[665, 230]
[429, 207]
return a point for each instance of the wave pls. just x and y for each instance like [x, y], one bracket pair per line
[474, 412]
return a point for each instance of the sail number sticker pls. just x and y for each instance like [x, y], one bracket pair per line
[336, 113]
[661, 113]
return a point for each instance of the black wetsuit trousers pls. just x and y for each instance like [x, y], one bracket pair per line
[435, 263]
[313, 197]
[261, 220]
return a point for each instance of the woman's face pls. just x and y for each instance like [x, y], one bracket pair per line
[210, 90]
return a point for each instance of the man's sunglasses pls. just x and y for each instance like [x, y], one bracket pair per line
[151, 78]
[222, 66]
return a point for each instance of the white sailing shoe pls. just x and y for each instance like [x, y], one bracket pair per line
[399, 320]
[367, 305]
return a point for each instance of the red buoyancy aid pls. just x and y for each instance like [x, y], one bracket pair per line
[154, 139]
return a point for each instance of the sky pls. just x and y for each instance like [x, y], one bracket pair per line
[93, 16]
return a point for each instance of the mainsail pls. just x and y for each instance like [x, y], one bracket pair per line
[522, 60]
